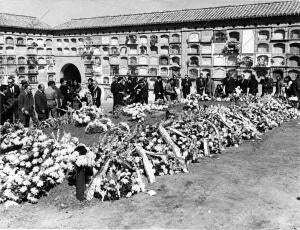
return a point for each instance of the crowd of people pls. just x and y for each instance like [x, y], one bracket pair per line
[169, 89]
[19, 102]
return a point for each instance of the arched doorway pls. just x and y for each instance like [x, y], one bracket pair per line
[70, 72]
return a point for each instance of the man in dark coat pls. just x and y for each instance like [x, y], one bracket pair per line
[210, 86]
[117, 91]
[244, 84]
[12, 95]
[26, 105]
[200, 84]
[297, 89]
[186, 84]
[4, 105]
[158, 89]
[60, 99]
[96, 94]
[41, 106]
[91, 85]
[145, 91]
[267, 85]
[229, 84]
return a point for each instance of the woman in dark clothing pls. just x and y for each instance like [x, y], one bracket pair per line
[252, 85]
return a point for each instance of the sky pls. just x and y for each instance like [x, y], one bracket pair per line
[55, 12]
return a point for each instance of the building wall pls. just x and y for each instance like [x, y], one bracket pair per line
[274, 49]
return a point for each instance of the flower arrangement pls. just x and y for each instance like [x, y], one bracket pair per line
[31, 163]
[86, 114]
[99, 126]
[231, 48]
[138, 111]
[37, 164]
[246, 62]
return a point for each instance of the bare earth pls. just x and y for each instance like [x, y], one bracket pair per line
[254, 186]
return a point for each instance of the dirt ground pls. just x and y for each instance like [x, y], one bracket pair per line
[254, 186]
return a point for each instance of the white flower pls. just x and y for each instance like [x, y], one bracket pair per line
[40, 183]
[34, 191]
[23, 189]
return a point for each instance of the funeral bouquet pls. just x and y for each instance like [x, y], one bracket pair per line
[99, 126]
[35, 165]
[86, 114]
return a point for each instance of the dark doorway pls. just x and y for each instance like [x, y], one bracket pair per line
[70, 72]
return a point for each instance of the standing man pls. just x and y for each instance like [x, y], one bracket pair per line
[186, 84]
[41, 106]
[117, 91]
[96, 94]
[145, 91]
[244, 84]
[267, 85]
[297, 89]
[60, 98]
[158, 89]
[12, 95]
[3, 103]
[26, 105]
[229, 84]
[51, 96]
[200, 84]
[210, 86]
[91, 85]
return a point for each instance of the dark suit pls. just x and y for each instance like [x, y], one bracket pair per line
[229, 85]
[3, 108]
[13, 97]
[117, 91]
[41, 107]
[186, 86]
[145, 92]
[158, 90]
[200, 85]
[26, 103]
[97, 96]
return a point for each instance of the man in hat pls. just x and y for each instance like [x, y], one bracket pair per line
[41, 106]
[4, 105]
[12, 95]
